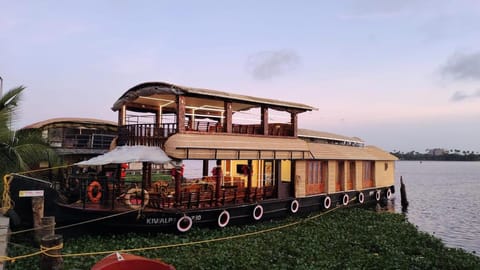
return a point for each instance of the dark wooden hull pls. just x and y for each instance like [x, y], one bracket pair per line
[172, 219]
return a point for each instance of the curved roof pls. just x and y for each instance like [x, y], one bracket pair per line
[152, 88]
[63, 121]
[221, 146]
[342, 152]
[307, 133]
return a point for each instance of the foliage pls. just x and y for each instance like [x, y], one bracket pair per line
[344, 239]
[22, 149]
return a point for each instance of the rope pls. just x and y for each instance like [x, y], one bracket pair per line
[6, 199]
[71, 225]
[46, 169]
[196, 242]
[43, 250]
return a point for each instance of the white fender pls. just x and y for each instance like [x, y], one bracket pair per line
[361, 197]
[181, 226]
[327, 202]
[258, 212]
[223, 219]
[389, 194]
[294, 206]
[345, 199]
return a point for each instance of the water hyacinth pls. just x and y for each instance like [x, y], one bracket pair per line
[344, 239]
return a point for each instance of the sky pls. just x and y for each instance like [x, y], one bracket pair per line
[403, 75]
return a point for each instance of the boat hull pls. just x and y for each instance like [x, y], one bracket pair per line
[182, 220]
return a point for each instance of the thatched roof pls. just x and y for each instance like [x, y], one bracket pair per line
[342, 152]
[162, 88]
[220, 146]
[313, 134]
[71, 122]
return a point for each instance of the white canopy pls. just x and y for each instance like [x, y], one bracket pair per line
[127, 154]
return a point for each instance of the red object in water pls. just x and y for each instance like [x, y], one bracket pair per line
[125, 261]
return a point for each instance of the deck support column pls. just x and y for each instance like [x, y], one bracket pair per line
[249, 181]
[205, 168]
[264, 120]
[218, 179]
[294, 123]
[178, 185]
[181, 114]
[228, 117]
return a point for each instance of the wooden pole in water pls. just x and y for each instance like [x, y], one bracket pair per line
[51, 259]
[403, 195]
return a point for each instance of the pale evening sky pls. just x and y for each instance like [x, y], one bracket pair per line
[402, 75]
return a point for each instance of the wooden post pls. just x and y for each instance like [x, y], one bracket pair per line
[403, 195]
[178, 185]
[218, 179]
[51, 259]
[37, 209]
[249, 181]
[205, 168]
[47, 226]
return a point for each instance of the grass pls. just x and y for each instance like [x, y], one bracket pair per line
[344, 239]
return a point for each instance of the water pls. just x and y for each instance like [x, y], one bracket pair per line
[444, 200]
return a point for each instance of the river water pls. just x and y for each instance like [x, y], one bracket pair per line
[444, 200]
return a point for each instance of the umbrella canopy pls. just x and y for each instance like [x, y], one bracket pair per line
[127, 154]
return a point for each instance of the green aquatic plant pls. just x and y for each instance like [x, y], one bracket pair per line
[344, 239]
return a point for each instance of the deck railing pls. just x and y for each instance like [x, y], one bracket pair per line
[83, 141]
[111, 194]
[145, 134]
[156, 134]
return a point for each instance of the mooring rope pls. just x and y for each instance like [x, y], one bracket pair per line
[280, 227]
[71, 225]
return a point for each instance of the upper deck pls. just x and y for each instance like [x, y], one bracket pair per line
[151, 112]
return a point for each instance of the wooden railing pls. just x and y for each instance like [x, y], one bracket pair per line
[156, 134]
[83, 141]
[145, 134]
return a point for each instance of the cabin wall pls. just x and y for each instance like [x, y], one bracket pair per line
[384, 173]
[300, 178]
[357, 185]
[332, 174]
[257, 172]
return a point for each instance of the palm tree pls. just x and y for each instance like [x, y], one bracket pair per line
[20, 150]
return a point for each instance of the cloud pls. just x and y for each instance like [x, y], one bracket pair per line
[268, 64]
[463, 66]
[461, 96]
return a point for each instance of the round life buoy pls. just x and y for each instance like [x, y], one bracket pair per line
[258, 212]
[361, 197]
[377, 195]
[327, 202]
[389, 194]
[345, 199]
[134, 200]
[184, 224]
[223, 219]
[294, 206]
[94, 191]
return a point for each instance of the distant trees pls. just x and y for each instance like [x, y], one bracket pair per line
[439, 154]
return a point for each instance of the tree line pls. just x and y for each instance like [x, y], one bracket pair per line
[442, 155]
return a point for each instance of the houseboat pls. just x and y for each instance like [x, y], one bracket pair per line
[75, 139]
[216, 158]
